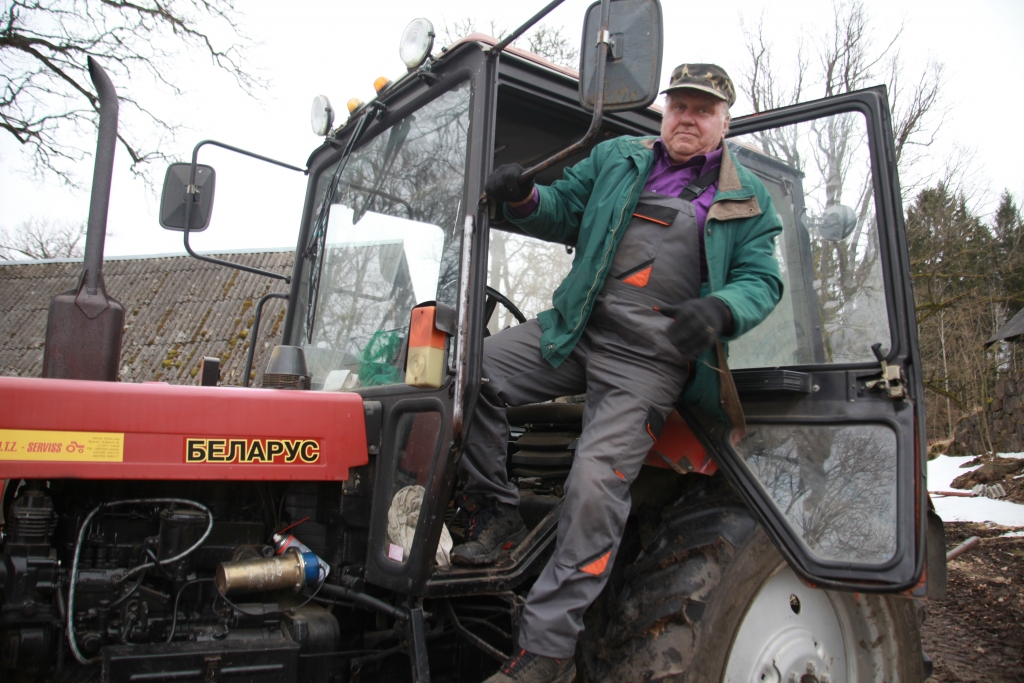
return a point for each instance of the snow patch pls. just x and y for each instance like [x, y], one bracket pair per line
[1013, 534]
[943, 470]
[1001, 455]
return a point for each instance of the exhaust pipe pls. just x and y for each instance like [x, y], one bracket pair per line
[84, 325]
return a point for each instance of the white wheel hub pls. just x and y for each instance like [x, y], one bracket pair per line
[790, 634]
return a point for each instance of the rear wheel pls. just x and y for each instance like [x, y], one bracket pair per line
[711, 599]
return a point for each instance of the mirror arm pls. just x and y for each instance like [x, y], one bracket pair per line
[604, 42]
[603, 45]
[191, 190]
[494, 51]
[239, 150]
[229, 264]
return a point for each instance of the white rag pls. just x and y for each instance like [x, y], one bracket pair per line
[403, 515]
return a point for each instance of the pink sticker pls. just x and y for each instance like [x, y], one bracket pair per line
[395, 552]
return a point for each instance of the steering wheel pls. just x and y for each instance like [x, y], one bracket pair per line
[494, 297]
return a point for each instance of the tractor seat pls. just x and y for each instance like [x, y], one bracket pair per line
[548, 445]
[568, 415]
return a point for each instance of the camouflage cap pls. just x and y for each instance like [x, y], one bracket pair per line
[709, 78]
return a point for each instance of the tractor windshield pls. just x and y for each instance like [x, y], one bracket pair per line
[390, 240]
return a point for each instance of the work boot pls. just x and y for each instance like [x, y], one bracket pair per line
[527, 667]
[490, 530]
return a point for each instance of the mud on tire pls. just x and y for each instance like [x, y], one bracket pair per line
[675, 612]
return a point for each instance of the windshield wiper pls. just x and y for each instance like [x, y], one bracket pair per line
[317, 241]
[399, 134]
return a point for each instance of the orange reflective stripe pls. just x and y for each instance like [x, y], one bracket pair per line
[598, 566]
[649, 218]
[639, 278]
[620, 475]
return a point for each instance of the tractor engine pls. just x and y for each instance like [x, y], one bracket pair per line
[146, 557]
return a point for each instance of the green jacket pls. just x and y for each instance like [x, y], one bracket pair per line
[593, 204]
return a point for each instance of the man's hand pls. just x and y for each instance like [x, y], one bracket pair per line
[504, 184]
[697, 323]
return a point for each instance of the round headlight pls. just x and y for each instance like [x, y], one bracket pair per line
[321, 116]
[417, 41]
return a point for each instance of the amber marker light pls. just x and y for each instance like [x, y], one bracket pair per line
[381, 83]
[425, 360]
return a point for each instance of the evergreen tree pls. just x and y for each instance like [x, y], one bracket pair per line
[955, 289]
[1009, 235]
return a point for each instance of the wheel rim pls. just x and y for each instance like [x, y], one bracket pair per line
[791, 633]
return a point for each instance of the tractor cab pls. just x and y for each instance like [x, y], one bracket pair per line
[394, 234]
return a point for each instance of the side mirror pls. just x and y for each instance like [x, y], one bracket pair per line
[836, 223]
[633, 71]
[175, 197]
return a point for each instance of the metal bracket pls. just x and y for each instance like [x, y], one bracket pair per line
[891, 382]
[613, 41]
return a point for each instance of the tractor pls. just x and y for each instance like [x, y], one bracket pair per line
[300, 530]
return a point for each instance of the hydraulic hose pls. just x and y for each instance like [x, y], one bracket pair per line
[78, 551]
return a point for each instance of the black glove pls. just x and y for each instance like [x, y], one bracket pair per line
[504, 185]
[697, 323]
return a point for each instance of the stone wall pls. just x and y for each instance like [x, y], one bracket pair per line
[1005, 416]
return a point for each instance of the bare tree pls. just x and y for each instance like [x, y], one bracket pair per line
[47, 95]
[550, 43]
[38, 238]
[849, 59]
[553, 46]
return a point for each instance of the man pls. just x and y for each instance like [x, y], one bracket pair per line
[674, 251]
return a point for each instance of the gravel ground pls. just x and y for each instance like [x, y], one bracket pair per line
[977, 632]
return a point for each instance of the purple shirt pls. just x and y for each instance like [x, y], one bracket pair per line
[669, 179]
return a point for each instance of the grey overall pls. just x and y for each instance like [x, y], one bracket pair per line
[632, 376]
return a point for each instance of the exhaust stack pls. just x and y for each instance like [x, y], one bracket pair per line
[84, 325]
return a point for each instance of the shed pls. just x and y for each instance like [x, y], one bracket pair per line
[1011, 331]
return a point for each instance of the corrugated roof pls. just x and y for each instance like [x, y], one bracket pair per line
[1011, 330]
[177, 310]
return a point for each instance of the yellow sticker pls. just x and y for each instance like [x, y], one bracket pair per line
[45, 446]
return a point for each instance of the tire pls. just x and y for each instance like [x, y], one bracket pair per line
[711, 599]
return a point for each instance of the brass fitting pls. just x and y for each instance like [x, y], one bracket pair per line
[287, 570]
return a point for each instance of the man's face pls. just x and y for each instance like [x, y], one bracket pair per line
[694, 123]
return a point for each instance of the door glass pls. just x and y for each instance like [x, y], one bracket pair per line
[391, 240]
[416, 440]
[527, 271]
[835, 485]
[833, 308]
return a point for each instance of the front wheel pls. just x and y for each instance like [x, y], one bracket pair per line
[711, 599]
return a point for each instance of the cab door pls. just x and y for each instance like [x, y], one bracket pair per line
[832, 459]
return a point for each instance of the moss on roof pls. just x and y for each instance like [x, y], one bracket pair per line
[177, 310]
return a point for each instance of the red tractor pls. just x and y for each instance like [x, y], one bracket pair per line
[300, 531]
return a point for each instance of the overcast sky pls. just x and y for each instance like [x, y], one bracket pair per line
[338, 48]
